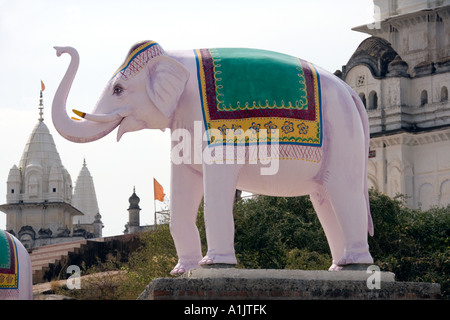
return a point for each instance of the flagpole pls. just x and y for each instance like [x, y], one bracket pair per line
[154, 201]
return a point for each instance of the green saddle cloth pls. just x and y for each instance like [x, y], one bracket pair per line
[249, 89]
[9, 264]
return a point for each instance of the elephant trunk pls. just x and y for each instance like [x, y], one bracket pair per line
[71, 128]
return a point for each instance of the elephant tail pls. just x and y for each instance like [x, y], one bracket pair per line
[365, 123]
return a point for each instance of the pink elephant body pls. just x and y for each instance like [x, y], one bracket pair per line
[163, 92]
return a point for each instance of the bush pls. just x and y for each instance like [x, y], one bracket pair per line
[99, 282]
[413, 244]
[307, 260]
[154, 259]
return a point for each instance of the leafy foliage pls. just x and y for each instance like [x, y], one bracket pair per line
[155, 259]
[413, 244]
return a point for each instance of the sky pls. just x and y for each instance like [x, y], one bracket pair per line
[103, 31]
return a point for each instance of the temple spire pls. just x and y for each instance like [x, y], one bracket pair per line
[41, 103]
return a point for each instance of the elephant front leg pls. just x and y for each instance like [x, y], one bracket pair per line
[186, 194]
[219, 188]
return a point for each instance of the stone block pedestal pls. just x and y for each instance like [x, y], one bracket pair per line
[243, 284]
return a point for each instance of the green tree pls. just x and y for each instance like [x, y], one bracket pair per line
[413, 244]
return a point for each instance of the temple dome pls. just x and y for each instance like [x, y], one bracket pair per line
[43, 175]
[40, 148]
[378, 55]
[134, 201]
[14, 174]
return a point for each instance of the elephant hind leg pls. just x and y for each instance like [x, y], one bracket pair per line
[327, 217]
[350, 206]
[342, 212]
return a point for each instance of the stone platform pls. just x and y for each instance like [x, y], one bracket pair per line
[263, 284]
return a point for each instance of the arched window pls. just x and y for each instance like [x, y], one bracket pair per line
[444, 94]
[362, 96]
[373, 100]
[423, 98]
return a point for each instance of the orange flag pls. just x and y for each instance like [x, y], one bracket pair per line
[42, 86]
[158, 190]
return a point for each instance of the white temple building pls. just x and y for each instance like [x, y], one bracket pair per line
[84, 199]
[402, 74]
[41, 206]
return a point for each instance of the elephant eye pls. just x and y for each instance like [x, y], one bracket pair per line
[118, 90]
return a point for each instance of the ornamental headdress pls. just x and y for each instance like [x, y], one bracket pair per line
[138, 56]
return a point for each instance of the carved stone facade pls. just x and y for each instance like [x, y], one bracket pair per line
[416, 165]
[402, 74]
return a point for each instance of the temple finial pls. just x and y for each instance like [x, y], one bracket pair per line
[41, 103]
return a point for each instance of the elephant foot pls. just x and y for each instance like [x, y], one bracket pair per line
[218, 259]
[184, 266]
[352, 261]
[178, 270]
[356, 258]
[335, 267]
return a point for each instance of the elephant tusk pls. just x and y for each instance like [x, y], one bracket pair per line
[98, 117]
[78, 113]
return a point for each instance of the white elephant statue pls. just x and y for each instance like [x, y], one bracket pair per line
[16, 281]
[254, 120]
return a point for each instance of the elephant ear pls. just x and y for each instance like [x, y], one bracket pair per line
[167, 79]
